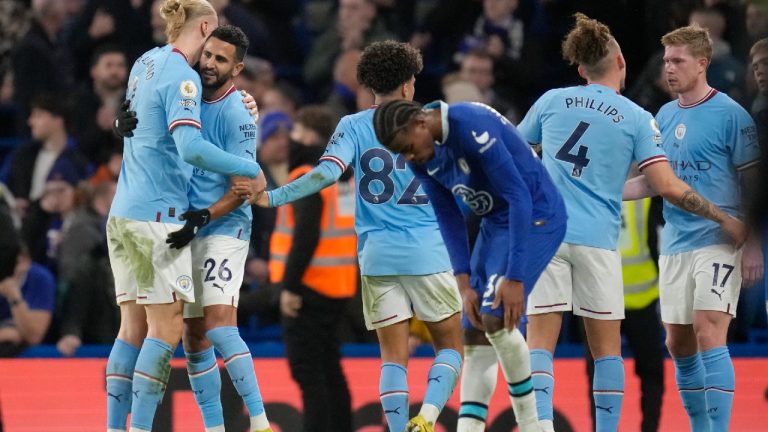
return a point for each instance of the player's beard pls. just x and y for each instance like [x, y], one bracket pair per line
[215, 84]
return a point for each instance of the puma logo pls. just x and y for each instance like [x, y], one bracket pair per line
[544, 390]
[236, 380]
[215, 285]
[435, 379]
[394, 411]
[608, 410]
[136, 394]
[198, 392]
[250, 153]
[712, 410]
[117, 397]
[719, 294]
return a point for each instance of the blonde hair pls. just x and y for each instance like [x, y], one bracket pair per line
[176, 13]
[696, 38]
[759, 46]
[587, 45]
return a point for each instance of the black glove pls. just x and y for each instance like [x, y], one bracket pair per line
[195, 219]
[125, 122]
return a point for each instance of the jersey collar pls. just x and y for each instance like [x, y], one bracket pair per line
[443, 117]
[176, 50]
[221, 98]
[710, 94]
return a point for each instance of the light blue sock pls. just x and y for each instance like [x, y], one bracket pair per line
[543, 382]
[690, 376]
[608, 391]
[720, 382]
[150, 378]
[205, 379]
[393, 393]
[442, 378]
[122, 361]
[239, 363]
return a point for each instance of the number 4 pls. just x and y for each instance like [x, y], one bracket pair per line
[579, 160]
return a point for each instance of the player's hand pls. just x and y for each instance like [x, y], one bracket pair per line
[250, 189]
[250, 104]
[470, 301]
[194, 220]
[263, 200]
[290, 303]
[735, 230]
[68, 344]
[510, 294]
[125, 122]
[752, 262]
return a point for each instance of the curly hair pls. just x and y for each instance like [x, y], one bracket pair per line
[696, 38]
[587, 44]
[386, 65]
[392, 117]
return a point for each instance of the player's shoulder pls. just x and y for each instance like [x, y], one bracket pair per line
[667, 109]
[730, 106]
[358, 119]
[232, 104]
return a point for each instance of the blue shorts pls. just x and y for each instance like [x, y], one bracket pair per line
[490, 257]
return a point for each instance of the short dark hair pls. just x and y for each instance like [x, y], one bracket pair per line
[392, 117]
[57, 105]
[103, 50]
[386, 65]
[233, 35]
[318, 118]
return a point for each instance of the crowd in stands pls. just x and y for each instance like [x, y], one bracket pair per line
[63, 71]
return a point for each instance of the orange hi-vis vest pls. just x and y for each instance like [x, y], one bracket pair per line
[333, 269]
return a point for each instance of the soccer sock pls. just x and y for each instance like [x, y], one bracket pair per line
[122, 361]
[608, 391]
[393, 393]
[720, 382]
[512, 352]
[543, 385]
[481, 368]
[239, 363]
[149, 380]
[690, 376]
[442, 379]
[205, 380]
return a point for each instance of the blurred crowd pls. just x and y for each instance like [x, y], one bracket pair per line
[63, 71]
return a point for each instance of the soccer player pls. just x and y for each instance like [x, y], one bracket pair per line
[589, 136]
[470, 152]
[711, 141]
[152, 281]
[403, 261]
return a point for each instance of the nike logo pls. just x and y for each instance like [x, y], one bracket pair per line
[433, 171]
[435, 379]
[609, 409]
[544, 390]
[117, 397]
[718, 294]
[394, 411]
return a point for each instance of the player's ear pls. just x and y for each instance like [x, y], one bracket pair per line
[238, 67]
[582, 73]
[620, 61]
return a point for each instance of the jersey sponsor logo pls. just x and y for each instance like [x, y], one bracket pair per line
[248, 130]
[484, 139]
[749, 134]
[480, 202]
[335, 139]
[188, 89]
[463, 166]
[680, 131]
[184, 283]
[187, 104]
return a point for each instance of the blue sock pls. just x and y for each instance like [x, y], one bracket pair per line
[442, 378]
[543, 382]
[205, 380]
[150, 378]
[720, 383]
[608, 391]
[690, 376]
[393, 393]
[122, 361]
[239, 363]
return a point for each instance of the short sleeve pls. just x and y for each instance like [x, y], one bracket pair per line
[647, 141]
[182, 96]
[745, 147]
[531, 128]
[341, 146]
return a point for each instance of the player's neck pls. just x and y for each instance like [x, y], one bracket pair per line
[697, 93]
[379, 100]
[188, 48]
[614, 84]
[213, 94]
[435, 124]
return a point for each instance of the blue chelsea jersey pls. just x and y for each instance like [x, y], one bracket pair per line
[589, 137]
[708, 143]
[228, 125]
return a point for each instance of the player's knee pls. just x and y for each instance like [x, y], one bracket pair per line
[194, 339]
[680, 347]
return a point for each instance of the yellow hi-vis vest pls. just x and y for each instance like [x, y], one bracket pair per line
[639, 271]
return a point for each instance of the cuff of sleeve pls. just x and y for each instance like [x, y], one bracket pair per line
[457, 272]
[650, 161]
[180, 122]
[515, 275]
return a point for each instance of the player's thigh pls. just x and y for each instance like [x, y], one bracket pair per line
[676, 288]
[598, 289]
[717, 276]
[218, 264]
[119, 243]
[553, 290]
[385, 301]
[434, 297]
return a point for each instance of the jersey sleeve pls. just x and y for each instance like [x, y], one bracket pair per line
[501, 170]
[341, 147]
[182, 96]
[530, 128]
[743, 142]
[321, 176]
[647, 141]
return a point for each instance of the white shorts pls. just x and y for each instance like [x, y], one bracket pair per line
[146, 269]
[704, 279]
[218, 264]
[584, 279]
[391, 299]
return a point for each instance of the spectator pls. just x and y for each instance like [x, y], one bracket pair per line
[27, 299]
[109, 171]
[477, 68]
[261, 42]
[651, 91]
[256, 78]
[14, 22]
[26, 169]
[497, 31]
[98, 103]
[356, 26]
[282, 97]
[756, 22]
[343, 97]
[40, 62]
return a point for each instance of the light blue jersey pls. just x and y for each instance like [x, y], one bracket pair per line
[228, 125]
[154, 177]
[590, 135]
[707, 144]
[397, 231]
